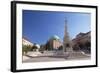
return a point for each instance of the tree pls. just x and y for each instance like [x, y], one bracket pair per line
[25, 49]
[88, 46]
[42, 48]
[34, 47]
[60, 48]
[76, 47]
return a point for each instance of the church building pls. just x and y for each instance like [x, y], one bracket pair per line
[53, 43]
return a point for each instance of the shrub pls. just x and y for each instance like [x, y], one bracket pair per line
[25, 49]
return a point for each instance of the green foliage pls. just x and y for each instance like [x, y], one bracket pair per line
[42, 48]
[60, 48]
[34, 47]
[25, 49]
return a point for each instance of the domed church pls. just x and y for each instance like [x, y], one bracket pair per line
[55, 37]
[53, 43]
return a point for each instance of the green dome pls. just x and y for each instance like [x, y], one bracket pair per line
[55, 37]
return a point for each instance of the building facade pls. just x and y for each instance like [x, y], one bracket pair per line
[26, 42]
[82, 42]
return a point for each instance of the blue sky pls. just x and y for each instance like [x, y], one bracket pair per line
[39, 26]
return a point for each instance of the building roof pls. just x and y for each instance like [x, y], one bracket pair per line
[25, 38]
[55, 37]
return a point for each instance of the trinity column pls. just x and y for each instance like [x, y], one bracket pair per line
[67, 46]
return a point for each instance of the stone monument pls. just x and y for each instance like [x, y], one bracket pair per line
[67, 45]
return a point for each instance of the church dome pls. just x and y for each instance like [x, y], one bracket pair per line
[37, 45]
[55, 37]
